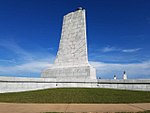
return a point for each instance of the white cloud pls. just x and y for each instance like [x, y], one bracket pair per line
[104, 70]
[134, 70]
[109, 49]
[10, 61]
[33, 63]
[131, 50]
[25, 62]
[113, 49]
[25, 69]
[12, 46]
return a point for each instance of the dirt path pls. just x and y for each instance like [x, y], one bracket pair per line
[78, 108]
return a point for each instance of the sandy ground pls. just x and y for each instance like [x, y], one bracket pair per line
[78, 108]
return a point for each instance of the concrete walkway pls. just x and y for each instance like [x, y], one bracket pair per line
[78, 108]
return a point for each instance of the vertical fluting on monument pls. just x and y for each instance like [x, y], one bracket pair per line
[72, 59]
[73, 46]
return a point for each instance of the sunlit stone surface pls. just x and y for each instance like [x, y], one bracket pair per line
[72, 59]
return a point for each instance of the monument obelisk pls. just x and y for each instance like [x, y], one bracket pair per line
[72, 58]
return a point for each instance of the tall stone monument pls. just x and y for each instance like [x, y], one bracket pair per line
[72, 59]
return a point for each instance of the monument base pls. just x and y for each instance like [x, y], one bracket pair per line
[70, 72]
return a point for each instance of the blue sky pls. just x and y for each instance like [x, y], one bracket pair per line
[118, 35]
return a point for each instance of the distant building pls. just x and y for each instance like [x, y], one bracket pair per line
[115, 77]
[124, 75]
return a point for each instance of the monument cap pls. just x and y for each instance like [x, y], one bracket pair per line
[79, 8]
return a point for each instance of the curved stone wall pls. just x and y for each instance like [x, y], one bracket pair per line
[18, 84]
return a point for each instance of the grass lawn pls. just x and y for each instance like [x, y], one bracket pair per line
[77, 95]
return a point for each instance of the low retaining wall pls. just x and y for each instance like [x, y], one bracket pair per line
[18, 84]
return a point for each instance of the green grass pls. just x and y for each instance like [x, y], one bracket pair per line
[77, 95]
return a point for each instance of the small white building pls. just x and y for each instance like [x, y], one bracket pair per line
[115, 77]
[124, 75]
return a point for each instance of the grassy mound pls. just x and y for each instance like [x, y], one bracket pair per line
[77, 95]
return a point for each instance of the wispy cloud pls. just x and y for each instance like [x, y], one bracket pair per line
[51, 49]
[12, 46]
[114, 49]
[131, 50]
[37, 62]
[134, 70]
[109, 49]
[10, 60]
[26, 63]
[25, 69]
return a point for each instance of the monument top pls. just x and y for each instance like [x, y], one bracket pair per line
[79, 8]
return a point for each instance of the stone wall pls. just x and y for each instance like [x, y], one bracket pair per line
[18, 84]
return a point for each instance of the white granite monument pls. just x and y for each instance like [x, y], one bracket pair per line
[71, 62]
